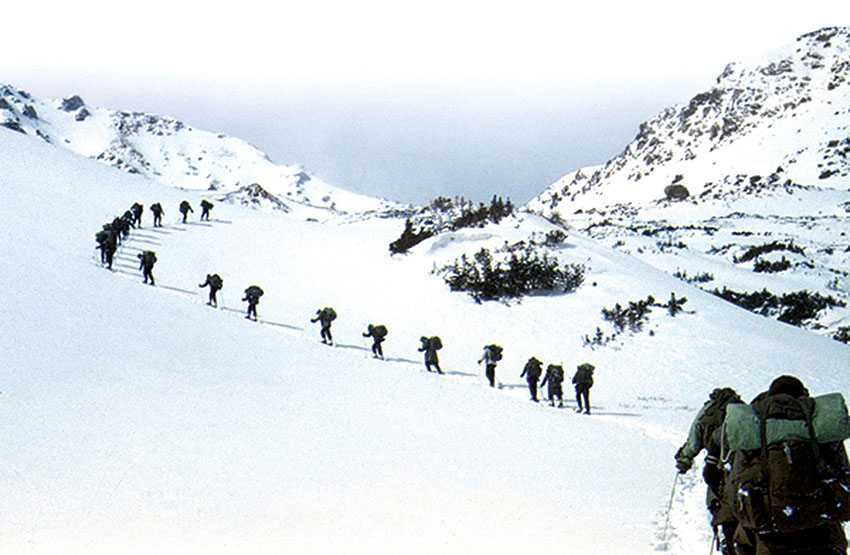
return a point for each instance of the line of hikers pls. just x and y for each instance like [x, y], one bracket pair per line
[777, 473]
[109, 238]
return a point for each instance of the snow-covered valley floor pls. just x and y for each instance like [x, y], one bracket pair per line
[136, 419]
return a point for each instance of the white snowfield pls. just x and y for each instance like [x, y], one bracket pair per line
[136, 419]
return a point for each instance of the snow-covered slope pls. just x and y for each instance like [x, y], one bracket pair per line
[136, 419]
[170, 152]
[770, 121]
[763, 159]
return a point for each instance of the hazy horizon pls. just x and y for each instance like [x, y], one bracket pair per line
[454, 99]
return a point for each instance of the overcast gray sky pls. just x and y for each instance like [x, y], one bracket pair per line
[404, 100]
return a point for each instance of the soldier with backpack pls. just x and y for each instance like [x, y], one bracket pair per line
[378, 334]
[137, 210]
[583, 381]
[185, 208]
[555, 377]
[206, 206]
[492, 355]
[789, 483]
[157, 211]
[705, 434]
[252, 295]
[325, 316]
[430, 346]
[531, 372]
[215, 283]
[147, 259]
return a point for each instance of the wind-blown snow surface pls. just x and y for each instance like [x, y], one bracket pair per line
[136, 419]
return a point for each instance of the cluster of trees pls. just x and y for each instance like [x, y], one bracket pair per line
[794, 308]
[523, 271]
[759, 250]
[446, 214]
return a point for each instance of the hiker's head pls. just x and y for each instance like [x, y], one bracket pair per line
[788, 385]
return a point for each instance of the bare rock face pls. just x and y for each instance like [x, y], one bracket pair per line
[72, 103]
[676, 192]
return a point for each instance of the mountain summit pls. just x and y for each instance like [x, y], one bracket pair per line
[769, 121]
[169, 151]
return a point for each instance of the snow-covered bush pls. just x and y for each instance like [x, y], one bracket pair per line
[794, 308]
[517, 272]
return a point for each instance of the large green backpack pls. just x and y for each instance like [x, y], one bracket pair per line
[779, 480]
[495, 352]
[328, 314]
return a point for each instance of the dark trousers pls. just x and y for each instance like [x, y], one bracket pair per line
[377, 350]
[213, 301]
[491, 374]
[157, 220]
[532, 388]
[252, 310]
[326, 335]
[435, 364]
[583, 393]
[148, 274]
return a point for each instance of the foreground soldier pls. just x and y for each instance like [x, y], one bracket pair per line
[705, 434]
[789, 482]
[533, 369]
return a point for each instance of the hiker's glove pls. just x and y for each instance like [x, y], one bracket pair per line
[683, 465]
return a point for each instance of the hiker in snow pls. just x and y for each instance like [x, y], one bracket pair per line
[101, 238]
[531, 372]
[157, 211]
[705, 434]
[108, 244]
[789, 481]
[185, 208]
[583, 381]
[215, 283]
[252, 295]
[378, 334]
[325, 316]
[206, 206]
[147, 259]
[121, 228]
[492, 354]
[430, 346]
[555, 377]
[137, 210]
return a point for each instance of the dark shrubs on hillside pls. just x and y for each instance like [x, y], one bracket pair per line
[766, 266]
[409, 238]
[446, 214]
[523, 272]
[759, 250]
[792, 308]
[634, 316]
[842, 335]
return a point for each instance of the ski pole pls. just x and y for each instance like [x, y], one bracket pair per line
[670, 507]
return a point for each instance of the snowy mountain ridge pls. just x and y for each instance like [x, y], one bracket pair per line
[779, 118]
[168, 151]
[744, 189]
